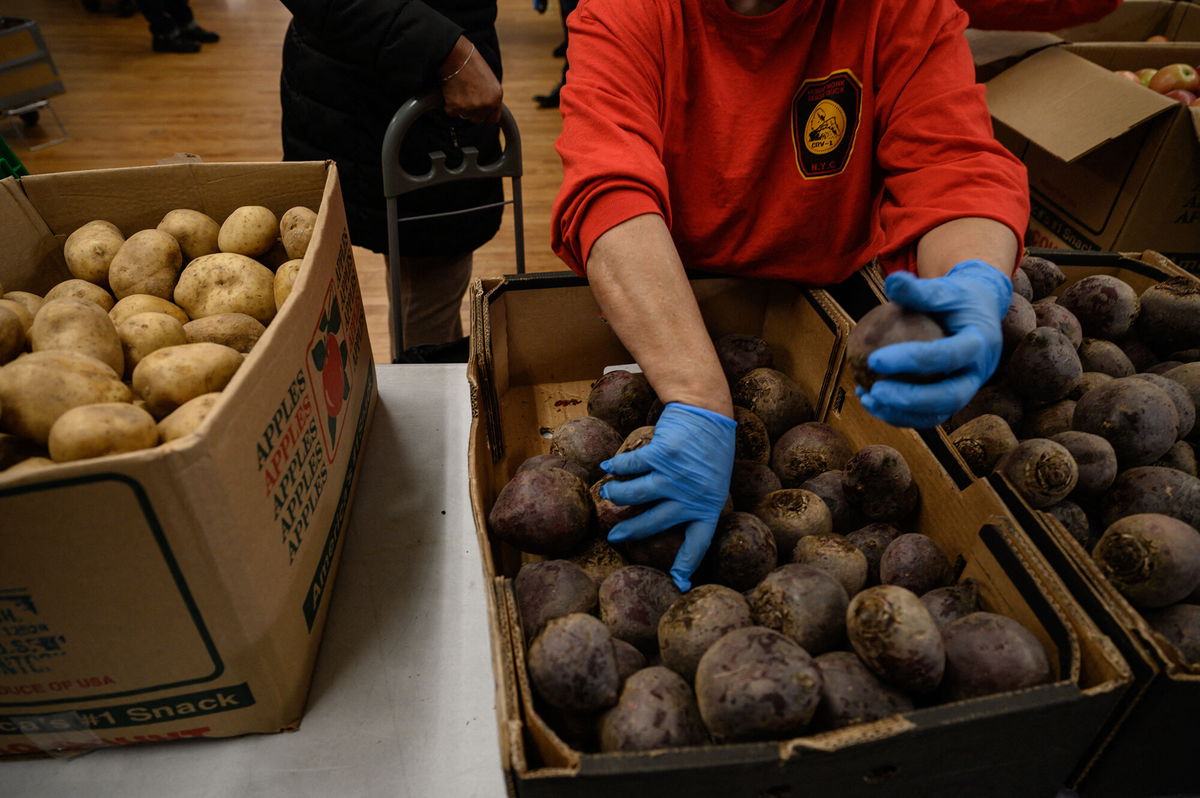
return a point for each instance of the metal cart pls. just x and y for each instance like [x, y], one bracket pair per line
[397, 181]
[28, 78]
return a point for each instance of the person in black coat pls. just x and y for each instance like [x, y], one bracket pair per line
[347, 69]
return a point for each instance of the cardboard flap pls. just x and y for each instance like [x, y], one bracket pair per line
[990, 46]
[1068, 105]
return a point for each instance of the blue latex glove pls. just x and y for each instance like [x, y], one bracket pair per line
[969, 301]
[685, 470]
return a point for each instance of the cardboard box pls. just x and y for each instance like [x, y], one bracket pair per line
[1112, 165]
[181, 591]
[527, 378]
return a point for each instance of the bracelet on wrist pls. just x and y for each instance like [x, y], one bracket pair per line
[461, 66]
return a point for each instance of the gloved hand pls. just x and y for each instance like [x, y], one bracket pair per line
[969, 301]
[685, 470]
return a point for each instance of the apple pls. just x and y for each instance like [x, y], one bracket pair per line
[1128, 75]
[1158, 38]
[1184, 96]
[1175, 76]
[1144, 75]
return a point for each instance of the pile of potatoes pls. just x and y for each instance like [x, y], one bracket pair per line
[134, 349]
[817, 605]
[1091, 417]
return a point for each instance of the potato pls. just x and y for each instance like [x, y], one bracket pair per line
[235, 330]
[12, 335]
[285, 279]
[31, 302]
[21, 312]
[147, 263]
[186, 418]
[196, 232]
[226, 283]
[80, 326]
[250, 230]
[100, 429]
[168, 377]
[143, 333]
[28, 464]
[296, 229]
[145, 303]
[82, 289]
[39, 387]
[90, 250]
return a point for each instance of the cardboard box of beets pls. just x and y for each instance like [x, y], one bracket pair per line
[527, 377]
[1146, 747]
[181, 591]
[1113, 166]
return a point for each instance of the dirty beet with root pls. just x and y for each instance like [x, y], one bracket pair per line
[1153, 560]
[656, 710]
[807, 450]
[778, 400]
[880, 484]
[1137, 417]
[551, 589]
[572, 664]
[851, 694]
[631, 602]
[982, 441]
[792, 513]
[585, 440]
[742, 552]
[740, 354]
[621, 398]
[804, 603]
[542, 511]
[695, 621]
[1105, 305]
[988, 653]
[886, 324]
[915, 562]
[1042, 471]
[836, 556]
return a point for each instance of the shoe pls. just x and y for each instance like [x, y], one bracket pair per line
[451, 352]
[548, 100]
[174, 43]
[126, 9]
[194, 33]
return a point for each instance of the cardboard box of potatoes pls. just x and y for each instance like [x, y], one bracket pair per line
[185, 392]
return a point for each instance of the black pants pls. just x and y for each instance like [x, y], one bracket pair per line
[166, 16]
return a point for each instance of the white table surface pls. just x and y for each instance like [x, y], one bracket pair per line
[402, 701]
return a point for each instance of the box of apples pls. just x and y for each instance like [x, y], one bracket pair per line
[1111, 145]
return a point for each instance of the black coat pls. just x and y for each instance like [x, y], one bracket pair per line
[348, 65]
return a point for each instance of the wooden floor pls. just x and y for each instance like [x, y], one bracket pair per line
[125, 105]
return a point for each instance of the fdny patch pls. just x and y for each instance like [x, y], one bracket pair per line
[825, 113]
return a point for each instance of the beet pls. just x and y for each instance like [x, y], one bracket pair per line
[872, 540]
[656, 710]
[756, 684]
[656, 551]
[949, 603]
[1018, 322]
[792, 513]
[742, 551]
[1182, 457]
[631, 602]
[995, 399]
[752, 443]
[1170, 314]
[696, 620]
[621, 399]
[542, 511]
[1049, 420]
[551, 589]
[1179, 624]
[982, 441]
[988, 653]
[1044, 367]
[1095, 461]
[1096, 354]
[1075, 521]
[740, 354]
[586, 440]
[851, 694]
[1054, 315]
[915, 562]
[836, 556]
[1184, 405]
[806, 450]
[830, 486]
[879, 482]
[1152, 489]
[1021, 285]
[1105, 306]
[1087, 381]
[1152, 559]
[778, 400]
[629, 659]
[1044, 275]
[1137, 417]
[889, 323]
[608, 512]
[749, 482]
[804, 603]
[896, 637]
[572, 664]
[1042, 471]
[553, 461]
[598, 558]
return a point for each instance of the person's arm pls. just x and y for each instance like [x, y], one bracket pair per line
[970, 238]
[640, 285]
[469, 87]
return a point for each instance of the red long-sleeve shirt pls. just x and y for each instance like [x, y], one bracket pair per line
[795, 145]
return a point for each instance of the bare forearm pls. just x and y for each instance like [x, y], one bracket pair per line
[970, 238]
[641, 287]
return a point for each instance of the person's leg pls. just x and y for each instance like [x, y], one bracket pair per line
[432, 289]
[164, 29]
[550, 100]
[181, 12]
